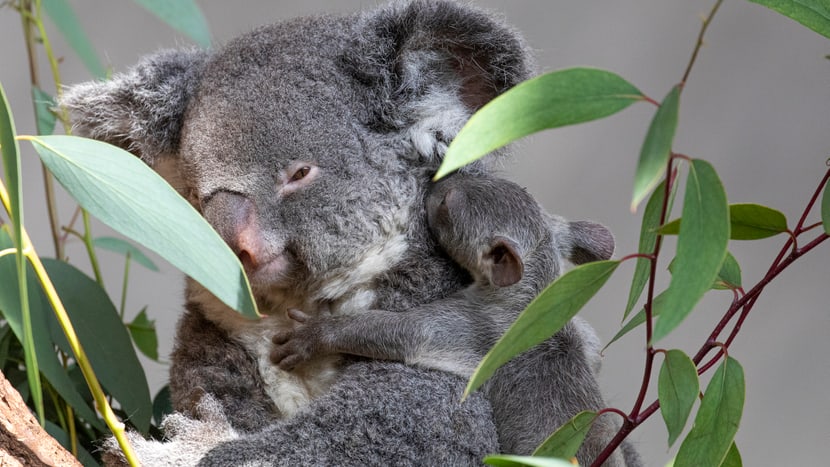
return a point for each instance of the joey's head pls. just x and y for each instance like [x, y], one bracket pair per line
[495, 229]
[308, 144]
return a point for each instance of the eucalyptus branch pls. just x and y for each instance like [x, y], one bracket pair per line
[743, 303]
[31, 20]
[115, 425]
[706, 21]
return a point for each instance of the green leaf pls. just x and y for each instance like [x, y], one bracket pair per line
[61, 13]
[825, 208]
[717, 420]
[701, 246]
[640, 318]
[104, 338]
[83, 456]
[753, 221]
[544, 316]
[117, 245]
[143, 332]
[565, 441]
[670, 228]
[44, 103]
[648, 239]
[162, 404]
[733, 457]
[747, 222]
[10, 153]
[677, 390]
[654, 155]
[126, 195]
[49, 365]
[184, 16]
[729, 277]
[553, 100]
[508, 460]
[815, 14]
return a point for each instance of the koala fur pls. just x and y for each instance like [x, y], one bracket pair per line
[309, 146]
[513, 250]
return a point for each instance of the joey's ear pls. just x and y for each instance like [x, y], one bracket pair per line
[588, 241]
[505, 263]
[431, 64]
[140, 110]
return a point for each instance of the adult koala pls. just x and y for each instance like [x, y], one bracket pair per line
[309, 146]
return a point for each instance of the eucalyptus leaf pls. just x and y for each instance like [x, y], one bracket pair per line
[565, 441]
[44, 103]
[640, 318]
[117, 245]
[49, 365]
[105, 340]
[552, 100]
[656, 149]
[10, 153]
[507, 460]
[677, 390]
[717, 420]
[60, 436]
[61, 13]
[747, 222]
[184, 16]
[815, 14]
[544, 316]
[162, 404]
[143, 332]
[701, 246]
[121, 191]
[648, 239]
[733, 457]
[753, 221]
[729, 276]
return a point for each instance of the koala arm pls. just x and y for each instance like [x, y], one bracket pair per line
[444, 335]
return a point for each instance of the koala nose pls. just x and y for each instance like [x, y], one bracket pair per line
[234, 218]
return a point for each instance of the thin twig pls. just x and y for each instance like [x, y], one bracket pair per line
[699, 43]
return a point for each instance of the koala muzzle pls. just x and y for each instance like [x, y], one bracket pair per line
[234, 218]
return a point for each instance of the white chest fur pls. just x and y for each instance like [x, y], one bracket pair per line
[290, 391]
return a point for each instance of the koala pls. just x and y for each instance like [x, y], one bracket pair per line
[309, 146]
[512, 249]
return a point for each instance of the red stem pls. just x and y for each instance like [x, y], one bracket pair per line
[743, 303]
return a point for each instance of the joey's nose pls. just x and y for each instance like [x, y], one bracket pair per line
[234, 218]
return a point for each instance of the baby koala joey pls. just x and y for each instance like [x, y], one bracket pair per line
[512, 249]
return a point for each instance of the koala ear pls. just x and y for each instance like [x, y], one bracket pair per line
[432, 64]
[587, 241]
[505, 263]
[140, 110]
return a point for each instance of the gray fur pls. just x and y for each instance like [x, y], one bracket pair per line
[367, 103]
[495, 230]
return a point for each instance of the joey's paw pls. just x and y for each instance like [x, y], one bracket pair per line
[291, 348]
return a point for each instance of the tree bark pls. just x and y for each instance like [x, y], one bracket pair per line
[23, 442]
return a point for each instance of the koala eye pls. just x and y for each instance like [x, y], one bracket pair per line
[301, 173]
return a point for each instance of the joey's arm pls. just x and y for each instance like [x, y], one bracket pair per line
[445, 335]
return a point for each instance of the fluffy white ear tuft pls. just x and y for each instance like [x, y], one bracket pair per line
[140, 110]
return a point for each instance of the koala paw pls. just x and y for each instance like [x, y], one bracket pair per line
[296, 346]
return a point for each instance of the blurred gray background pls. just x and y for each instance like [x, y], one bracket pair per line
[757, 106]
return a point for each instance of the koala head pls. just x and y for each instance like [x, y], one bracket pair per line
[309, 144]
[493, 228]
